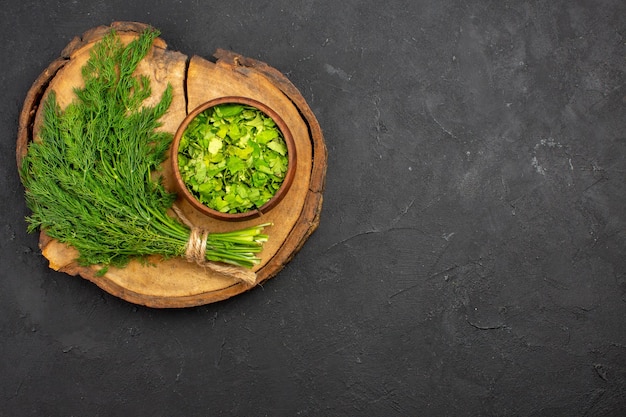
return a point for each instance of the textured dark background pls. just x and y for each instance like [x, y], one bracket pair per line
[471, 256]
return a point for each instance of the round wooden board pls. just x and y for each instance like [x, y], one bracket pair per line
[174, 283]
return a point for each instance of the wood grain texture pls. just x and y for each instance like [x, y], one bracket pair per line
[175, 283]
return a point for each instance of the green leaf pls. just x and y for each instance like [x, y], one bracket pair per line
[235, 164]
[259, 179]
[243, 153]
[277, 146]
[229, 110]
[278, 165]
[215, 145]
[266, 135]
[234, 132]
[222, 131]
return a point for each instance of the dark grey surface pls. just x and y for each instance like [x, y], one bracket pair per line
[471, 254]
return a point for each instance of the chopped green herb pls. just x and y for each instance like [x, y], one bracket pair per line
[233, 158]
[89, 180]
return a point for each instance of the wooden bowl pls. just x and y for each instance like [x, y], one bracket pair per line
[181, 187]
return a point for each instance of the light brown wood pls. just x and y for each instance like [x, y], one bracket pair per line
[173, 283]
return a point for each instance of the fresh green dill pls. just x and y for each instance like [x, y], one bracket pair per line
[90, 178]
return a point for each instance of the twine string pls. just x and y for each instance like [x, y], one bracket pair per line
[195, 251]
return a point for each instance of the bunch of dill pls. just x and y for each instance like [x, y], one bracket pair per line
[89, 178]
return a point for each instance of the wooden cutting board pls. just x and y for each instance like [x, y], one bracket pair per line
[174, 283]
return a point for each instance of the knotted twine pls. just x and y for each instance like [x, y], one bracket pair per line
[195, 251]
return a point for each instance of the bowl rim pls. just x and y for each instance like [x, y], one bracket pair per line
[180, 185]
